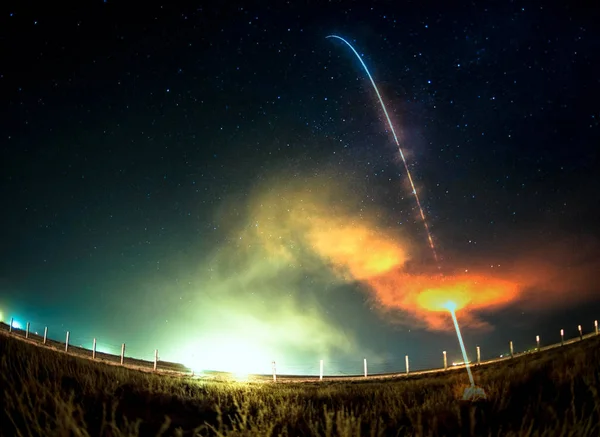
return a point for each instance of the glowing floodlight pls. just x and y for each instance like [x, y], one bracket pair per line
[472, 393]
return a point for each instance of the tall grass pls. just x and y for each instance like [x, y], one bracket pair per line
[46, 393]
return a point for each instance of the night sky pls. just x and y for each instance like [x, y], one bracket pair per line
[215, 182]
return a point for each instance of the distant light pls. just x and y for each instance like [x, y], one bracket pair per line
[241, 376]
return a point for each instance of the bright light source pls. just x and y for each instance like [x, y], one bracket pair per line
[241, 377]
[106, 349]
[462, 346]
[450, 306]
[237, 355]
[16, 325]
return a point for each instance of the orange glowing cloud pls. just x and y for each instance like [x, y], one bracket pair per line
[426, 297]
[310, 225]
[355, 251]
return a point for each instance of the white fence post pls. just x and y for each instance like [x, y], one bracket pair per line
[478, 355]
[365, 366]
[596, 326]
[122, 353]
[537, 342]
[12, 320]
[445, 361]
[512, 351]
[45, 334]
[67, 342]
[562, 337]
[27, 331]
[155, 359]
[274, 371]
[94, 349]
[321, 370]
[580, 332]
[407, 368]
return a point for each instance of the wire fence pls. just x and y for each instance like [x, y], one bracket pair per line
[69, 342]
[392, 365]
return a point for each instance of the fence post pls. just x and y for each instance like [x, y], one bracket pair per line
[155, 359]
[365, 366]
[562, 337]
[274, 371]
[478, 355]
[596, 326]
[407, 368]
[512, 351]
[445, 361]
[94, 350]
[67, 342]
[122, 353]
[12, 320]
[321, 370]
[580, 332]
[537, 343]
[45, 334]
[27, 331]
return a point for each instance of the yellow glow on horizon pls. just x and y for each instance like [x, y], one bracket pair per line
[238, 355]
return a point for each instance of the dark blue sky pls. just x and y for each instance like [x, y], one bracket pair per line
[136, 144]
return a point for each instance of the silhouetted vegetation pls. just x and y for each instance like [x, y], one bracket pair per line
[49, 393]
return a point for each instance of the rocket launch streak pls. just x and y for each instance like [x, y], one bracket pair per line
[410, 179]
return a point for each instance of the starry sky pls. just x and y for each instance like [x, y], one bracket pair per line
[220, 182]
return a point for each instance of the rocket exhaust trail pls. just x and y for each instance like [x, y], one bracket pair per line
[410, 179]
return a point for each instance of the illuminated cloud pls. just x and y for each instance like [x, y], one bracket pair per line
[257, 297]
[252, 303]
[314, 223]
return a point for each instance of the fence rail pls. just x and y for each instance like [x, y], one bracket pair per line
[41, 338]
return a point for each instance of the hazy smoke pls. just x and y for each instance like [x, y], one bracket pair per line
[261, 289]
[314, 223]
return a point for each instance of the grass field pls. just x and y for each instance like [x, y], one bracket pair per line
[47, 393]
